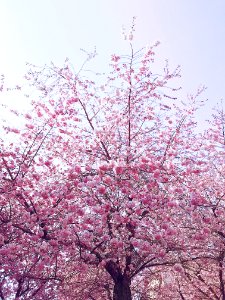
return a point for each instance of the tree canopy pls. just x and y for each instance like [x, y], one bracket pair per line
[108, 192]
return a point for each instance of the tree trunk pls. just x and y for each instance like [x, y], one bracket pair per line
[121, 281]
[121, 289]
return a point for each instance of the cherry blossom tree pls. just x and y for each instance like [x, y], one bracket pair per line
[201, 276]
[105, 190]
[207, 274]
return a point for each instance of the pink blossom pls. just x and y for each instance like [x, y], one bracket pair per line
[30, 126]
[115, 58]
[158, 237]
[119, 170]
[101, 190]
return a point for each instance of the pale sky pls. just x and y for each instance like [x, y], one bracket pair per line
[191, 32]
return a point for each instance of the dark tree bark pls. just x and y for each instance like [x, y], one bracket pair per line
[122, 282]
[121, 289]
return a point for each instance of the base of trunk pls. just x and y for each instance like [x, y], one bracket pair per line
[122, 290]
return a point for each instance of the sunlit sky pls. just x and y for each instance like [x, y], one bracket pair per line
[191, 32]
